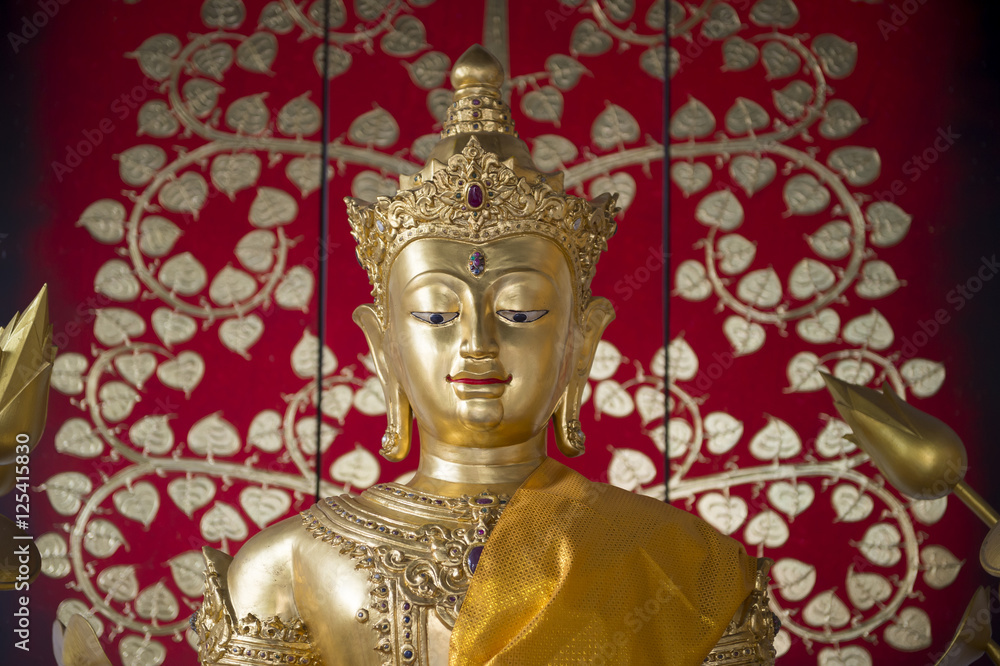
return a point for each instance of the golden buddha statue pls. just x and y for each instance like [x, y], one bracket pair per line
[483, 328]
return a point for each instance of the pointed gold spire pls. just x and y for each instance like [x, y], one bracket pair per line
[26, 356]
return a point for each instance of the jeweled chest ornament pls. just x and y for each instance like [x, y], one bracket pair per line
[477, 263]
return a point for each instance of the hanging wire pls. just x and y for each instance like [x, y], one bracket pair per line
[324, 209]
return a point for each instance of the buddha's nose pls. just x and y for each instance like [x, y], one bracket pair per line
[478, 335]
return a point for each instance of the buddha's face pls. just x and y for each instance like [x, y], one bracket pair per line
[483, 359]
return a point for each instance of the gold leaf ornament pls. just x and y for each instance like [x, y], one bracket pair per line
[224, 14]
[777, 440]
[406, 38]
[117, 400]
[266, 428]
[183, 274]
[851, 504]
[790, 498]
[720, 209]
[854, 370]
[940, 566]
[370, 399]
[103, 538]
[188, 572]
[837, 56]
[804, 195]
[232, 173]
[300, 117]
[157, 120]
[564, 71]
[117, 326]
[183, 373]
[693, 120]
[691, 177]
[739, 55]
[369, 185]
[826, 610]
[681, 434]
[877, 280]
[923, 377]
[67, 373]
[760, 288]
[871, 330]
[248, 115]
[336, 13]
[438, 102]
[157, 602]
[722, 22]
[791, 101]
[173, 327]
[880, 545]
[337, 401]
[589, 39]
[722, 431]
[191, 494]
[607, 359]
[840, 120]
[257, 53]
[867, 589]
[265, 505]
[614, 127]
[803, 373]
[734, 253]
[911, 631]
[119, 582]
[370, 9]
[140, 651]
[306, 435]
[794, 579]
[186, 194]
[656, 17]
[70, 607]
[821, 328]
[752, 174]
[275, 18]
[429, 70]
[214, 60]
[213, 436]
[357, 468]
[223, 522]
[858, 165]
[307, 173]
[201, 96]
[889, 223]
[157, 236]
[152, 434]
[256, 250]
[653, 61]
[621, 184]
[929, 512]
[339, 60]
[745, 116]
[139, 164]
[846, 655]
[775, 13]
[650, 403]
[746, 337]
[231, 286]
[780, 61]
[295, 290]
[156, 55]
[141, 502]
[105, 220]
[66, 491]
[610, 398]
[272, 207]
[116, 280]
[75, 437]
[305, 357]
[544, 105]
[768, 529]
[831, 442]
[136, 367]
[809, 278]
[832, 240]
[52, 548]
[724, 513]
[691, 281]
[241, 333]
[630, 469]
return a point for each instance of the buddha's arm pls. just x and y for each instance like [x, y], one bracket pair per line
[249, 614]
[749, 638]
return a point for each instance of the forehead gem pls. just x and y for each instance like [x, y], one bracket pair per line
[477, 263]
[475, 195]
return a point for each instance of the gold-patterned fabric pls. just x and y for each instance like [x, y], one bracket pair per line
[580, 572]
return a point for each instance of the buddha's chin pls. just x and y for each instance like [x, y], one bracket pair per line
[480, 414]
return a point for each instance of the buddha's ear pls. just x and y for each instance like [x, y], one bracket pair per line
[569, 433]
[399, 429]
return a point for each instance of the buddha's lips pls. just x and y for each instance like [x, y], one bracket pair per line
[478, 381]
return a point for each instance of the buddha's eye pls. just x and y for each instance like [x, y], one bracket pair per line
[522, 316]
[435, 318]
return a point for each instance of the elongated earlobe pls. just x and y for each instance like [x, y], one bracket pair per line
[566, 419]
[399, 417]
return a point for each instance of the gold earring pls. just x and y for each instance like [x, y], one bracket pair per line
[566, 419]
[399, 428]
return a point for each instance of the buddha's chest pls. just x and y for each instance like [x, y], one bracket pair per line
[411, 558]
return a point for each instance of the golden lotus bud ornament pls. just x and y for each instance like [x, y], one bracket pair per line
[920, 455]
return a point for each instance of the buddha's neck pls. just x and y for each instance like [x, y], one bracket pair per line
[446, 469]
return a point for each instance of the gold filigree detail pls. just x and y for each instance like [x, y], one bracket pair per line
[749, 638]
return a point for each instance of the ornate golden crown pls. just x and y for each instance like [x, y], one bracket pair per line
[478, 185]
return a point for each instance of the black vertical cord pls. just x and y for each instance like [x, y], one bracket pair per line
[324, 210]
[666, 275]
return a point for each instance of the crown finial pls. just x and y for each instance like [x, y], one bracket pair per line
[477, 67]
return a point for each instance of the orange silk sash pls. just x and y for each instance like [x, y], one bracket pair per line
[578, 572]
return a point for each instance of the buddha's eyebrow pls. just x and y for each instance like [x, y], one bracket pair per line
[432, 275]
